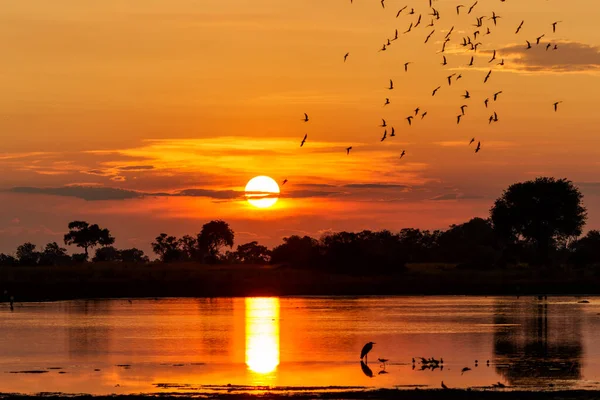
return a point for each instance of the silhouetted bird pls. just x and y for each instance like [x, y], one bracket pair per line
[348, 150]
[476, 151]
[465, 369]
[520, 26]
[284, 182]
[393, 132]
[472, 140]
[305, 117]
[409, 119]
[391, 85]
[303, 140]
[496, 95]
[435, 90]
[383, 360]
[346, 56]
[466, 95]
[403, 153]
[444, 386]
[365, 350]
[556, 105]
[406, 66]
[423, 115]
[383, 124]
[387, 101]
[554, 26]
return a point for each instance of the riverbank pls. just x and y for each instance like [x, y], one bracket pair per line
[383, 394]
[119, 280]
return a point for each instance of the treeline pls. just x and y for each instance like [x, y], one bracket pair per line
[537, 222]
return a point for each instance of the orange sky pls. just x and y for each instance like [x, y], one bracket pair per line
[168, 97]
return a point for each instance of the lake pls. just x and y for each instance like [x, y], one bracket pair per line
[177, 345]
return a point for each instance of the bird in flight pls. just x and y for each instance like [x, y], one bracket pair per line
[554, 26]
[383, 124]
[556, 105]
[486, 102]
[406, 66]
[445, 61]
[393, 132]
[471, 63]
[520, 26]
[409, 28]
[472, 140]
[384, 135]
[409, 119]
[528, 45]
[496, 95]
[387, 101]
[450, 79]
[487, 76]
[403, 153]
[462, 108]
[472, 7]
[537, 39]
[305, 117]
[348, 150]
[284, 182]
[493, 57]
[391, 85]
[465, 369]
[346, 56]
[494, 17]
[400, 11]
[423, 115]
[429, 36]
[458, 8]
[382, 3]
[383, 48]
[466, 95]
[435, 90]
[417, 111]
[458, 117]
[303, 140]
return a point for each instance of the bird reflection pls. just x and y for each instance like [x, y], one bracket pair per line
[366, 370]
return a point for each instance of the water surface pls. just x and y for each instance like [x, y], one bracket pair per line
[174, 345]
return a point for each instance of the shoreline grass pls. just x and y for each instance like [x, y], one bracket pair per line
[118, 280]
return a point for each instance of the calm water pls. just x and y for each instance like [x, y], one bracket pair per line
[117, 346]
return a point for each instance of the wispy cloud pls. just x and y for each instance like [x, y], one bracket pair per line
[569, 57]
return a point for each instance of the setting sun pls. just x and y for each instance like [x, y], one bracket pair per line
[262, 191]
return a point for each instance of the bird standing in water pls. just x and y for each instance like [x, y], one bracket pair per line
[365, 350]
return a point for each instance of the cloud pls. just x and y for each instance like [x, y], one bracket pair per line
[444, 197]
[90, 193]
[136, 168]
[376, 186]
[569, 57]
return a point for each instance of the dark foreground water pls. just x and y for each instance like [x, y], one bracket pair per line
[175, 345]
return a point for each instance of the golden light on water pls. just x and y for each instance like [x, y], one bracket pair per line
[262, 334]
[262, 191]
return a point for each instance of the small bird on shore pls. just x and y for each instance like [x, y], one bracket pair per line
[444, 386]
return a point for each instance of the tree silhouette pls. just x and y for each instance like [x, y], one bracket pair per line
[544, 212]
[107, 254]
[133, 255]
[53, 254]
[167, 248]
[252, 253]
[27, 255]
[587, 249]
[213, 236]
[297, 251]
[87, 236]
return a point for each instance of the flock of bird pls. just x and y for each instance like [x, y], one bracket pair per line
[482, 26]
[426, 363]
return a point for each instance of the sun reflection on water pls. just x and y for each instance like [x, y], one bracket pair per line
[262, 335]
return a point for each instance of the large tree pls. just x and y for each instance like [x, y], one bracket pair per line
[214, 235]
[167, 247]
[545, 212]
[27, 254]
[87, 236]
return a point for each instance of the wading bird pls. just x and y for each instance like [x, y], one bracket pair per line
[365, 351]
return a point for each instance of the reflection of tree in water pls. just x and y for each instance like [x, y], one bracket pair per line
[88, 332]
[544, 345]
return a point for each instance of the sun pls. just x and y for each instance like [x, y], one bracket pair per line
[262, 191]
